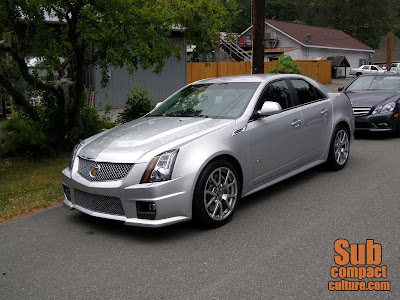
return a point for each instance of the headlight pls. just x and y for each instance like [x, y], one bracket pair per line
[160, 168]
[382, 109]
[76, 148]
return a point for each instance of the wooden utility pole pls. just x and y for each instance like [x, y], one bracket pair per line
[258, 36]
[389, 51]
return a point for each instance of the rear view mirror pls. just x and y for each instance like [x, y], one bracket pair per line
[270, 108]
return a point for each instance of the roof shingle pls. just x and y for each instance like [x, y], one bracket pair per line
[318, 36]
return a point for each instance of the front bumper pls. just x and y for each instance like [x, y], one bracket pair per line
[378, 122]
[121, 200]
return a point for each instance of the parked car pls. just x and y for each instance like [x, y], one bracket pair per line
[206, 146]
[375, 100]
[395, 67]
[367, 69]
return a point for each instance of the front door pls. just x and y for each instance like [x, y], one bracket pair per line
[275, 138]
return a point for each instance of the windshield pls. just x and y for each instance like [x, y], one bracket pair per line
[366, 83]
[211, 100]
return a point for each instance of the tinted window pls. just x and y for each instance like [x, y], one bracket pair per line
[375, 83]
[213, 100]
[305, 92]
[320, 95]
[374, 68]
[277, 91]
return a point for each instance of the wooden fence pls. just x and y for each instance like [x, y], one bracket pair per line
[320, 70]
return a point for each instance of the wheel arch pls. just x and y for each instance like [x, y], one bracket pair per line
[345, 125]
[225, 157]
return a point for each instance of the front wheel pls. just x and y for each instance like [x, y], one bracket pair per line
[397, 130]
[339, 149]
[216, 194]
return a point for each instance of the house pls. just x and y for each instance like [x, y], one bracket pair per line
[304, 42]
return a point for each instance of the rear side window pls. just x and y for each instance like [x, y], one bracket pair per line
[305, 92]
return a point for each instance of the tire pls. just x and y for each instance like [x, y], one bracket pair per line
[358, 74]
[396, 132]
[339, 149]
[216, 194]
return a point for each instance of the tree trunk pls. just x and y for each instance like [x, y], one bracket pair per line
[19, 99]
[3, 106]
[76, 121]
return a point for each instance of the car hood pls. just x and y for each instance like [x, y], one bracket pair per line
[370, 98]
[129, 142]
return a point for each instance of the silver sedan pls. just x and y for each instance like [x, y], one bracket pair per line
[205, 147]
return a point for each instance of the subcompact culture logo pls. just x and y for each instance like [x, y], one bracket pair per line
[358, 267]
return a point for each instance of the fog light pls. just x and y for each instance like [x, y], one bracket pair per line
[146, 210]
[67, 192]
[383, 124]
[152, 206]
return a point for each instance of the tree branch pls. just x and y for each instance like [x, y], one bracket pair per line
[19, 98]
[32, 80]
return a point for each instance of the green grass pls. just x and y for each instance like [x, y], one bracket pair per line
[26, 186]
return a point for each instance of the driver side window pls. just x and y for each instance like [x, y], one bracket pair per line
[277, 91]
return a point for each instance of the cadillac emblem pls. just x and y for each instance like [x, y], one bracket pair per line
[94, 170]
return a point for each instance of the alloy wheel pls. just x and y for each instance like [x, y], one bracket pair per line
[341, 148]
[220, 193]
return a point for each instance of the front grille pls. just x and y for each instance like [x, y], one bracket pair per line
[100, 204]
[102, 171]
[361, 111]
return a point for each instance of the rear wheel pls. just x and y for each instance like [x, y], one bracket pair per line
[339, 148]
[216, 194]
[397, 131]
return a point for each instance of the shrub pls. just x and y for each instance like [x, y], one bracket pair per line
[107, 123]
[22, 136]
[138, 104]
[286, 66]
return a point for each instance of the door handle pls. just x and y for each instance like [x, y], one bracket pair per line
[296, 123]
[324, 112]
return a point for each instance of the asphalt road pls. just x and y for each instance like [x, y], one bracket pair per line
[279, 245]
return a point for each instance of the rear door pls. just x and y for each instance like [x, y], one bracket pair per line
[316, 109]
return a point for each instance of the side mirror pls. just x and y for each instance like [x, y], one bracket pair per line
[270, 108]
[340, 88]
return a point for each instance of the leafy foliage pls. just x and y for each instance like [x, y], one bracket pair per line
[362, 19]
[286, 66]
[68, 37]
[23, 136]
[138, 104]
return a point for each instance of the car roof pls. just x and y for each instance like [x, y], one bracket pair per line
[246, 78]
[382, 75]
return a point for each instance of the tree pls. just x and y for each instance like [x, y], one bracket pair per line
[362, 19]
[68, 36]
